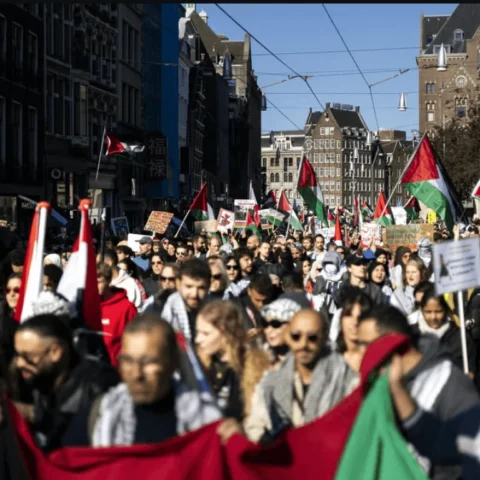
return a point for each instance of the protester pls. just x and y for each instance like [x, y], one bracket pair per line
[219, 278]
[402, 257]
[143, 257]
[245, 260]
[8, 325]
[151, 283]
[51, 277]
[377, 273]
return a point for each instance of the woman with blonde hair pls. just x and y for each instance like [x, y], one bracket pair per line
[232, 365]
[219, 278]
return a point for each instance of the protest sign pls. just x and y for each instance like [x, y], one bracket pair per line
[158, 222]
[225, 221]
[371, 231]
[265, 218]
[209, 226]
[456, 265]
[240, 209]
[133, 239]
[431, 217]
[406, 235]
[399, 215]
[120, 226]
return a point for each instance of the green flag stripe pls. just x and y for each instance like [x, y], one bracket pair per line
[313, 203]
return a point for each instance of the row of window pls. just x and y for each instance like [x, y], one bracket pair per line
[326, 143]
[327, 130]
[131, 45]
[130, 104]
[461, 109]
[275, 162]
[362, 186]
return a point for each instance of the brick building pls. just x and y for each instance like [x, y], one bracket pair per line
[448, 94]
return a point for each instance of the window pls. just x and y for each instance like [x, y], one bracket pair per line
[290, 162]
[338, 186]
[332, 185]
[332, 171]
[327, 172]
[322, 131]
[290, 177]
[264, 162]
[339, 172]
[289, 194]
[429, 39]
[298, 162]
[321, 158]
[321, 143]
[369, 186]
[461, 107]
[277, 161]
[17, 47]
[339, 158]
[458, 35]
[332, 143]
[339, 200]
[285, 177]
[430, 112]
[316, 143]
[339, 144]
[17, 131]
[277, 178]
[332, 200]
[272, 177]
[272, 162]
[32, 54]
[332, 130]
[32, 137]
[326, 189]
[322, 172]
[430, 88]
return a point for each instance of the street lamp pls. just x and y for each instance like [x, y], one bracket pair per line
[403, 102]
[442, 59]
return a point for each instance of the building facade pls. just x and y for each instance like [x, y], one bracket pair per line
[444, 95]
[22, 159]
[281, 161]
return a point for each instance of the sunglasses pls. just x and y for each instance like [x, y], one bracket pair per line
[273, 323]
[157, 263]
[181, 253]
[218, 276]
[14, 290]
[167, 279]
[232, 267]
[311, 337]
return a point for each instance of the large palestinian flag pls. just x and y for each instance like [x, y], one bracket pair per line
[200, 208]
[426, 179]
[116, 147]
[309, 188]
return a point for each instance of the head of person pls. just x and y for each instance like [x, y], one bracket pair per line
[264, 251]
[293, 282]
[193, 283]
[232, 267]
[164, 242]
[123, 251]
[297, 251]
[402, 256]
[261, 290]
[319, 242]
[51, 277]
[181, 253]
[435, 310]
[169, 277]
[171, 249]
[306, 267]
[148, 359]
[221, 333]
[331, 263]
[381, 255]
[245, 260]
[379, 321]
[109, 257]
[307, 337]
[219, 277]
[43, 350]
[307, 243]
[357, 267]
[276, 317]
[156, 246]
[156, 264]
[200, 244]
[214, 244]
[104, 278]
[17, 259]
[377, 273]
[190, 250]
[12, 290]
[145, 245]
[65, 256]
[128, 267]
[53, 259]
[253, 243]
[355, 304]
[419, 292]
[340, 250]
[415, 272]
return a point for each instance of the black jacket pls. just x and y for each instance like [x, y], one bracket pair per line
[250, 311]
[370, 289]
[8, 327]
[151, 285]
[53, 413]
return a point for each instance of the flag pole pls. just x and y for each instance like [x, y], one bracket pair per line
[101, 150]
[407, 166]
[181, 225]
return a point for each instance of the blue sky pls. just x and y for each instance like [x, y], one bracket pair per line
[306, 28]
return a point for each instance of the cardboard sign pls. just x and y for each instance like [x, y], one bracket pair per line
[399, 215]
[407, 235]
[456, 265]
[120, 226]
[265, 217]
[240, 209]
[371, 231]
[225, 220]
[158, 222]
[133, 239]
[327, 232]
[209, 226]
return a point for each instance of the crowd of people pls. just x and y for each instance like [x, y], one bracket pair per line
[264, 333]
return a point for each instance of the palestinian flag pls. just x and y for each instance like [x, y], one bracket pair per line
[309, 188]
[284, 206]
[366, 210]
[358, 220]
[32, 275]
[79, 281]
[412, 208]
[338, 237]
[383, 214]
[200, 208]
[256, 208]
[330, 218]
[275, 217]
[476, 197]
[271, 201]
[116, 147]
[426, 179]
[251, 225]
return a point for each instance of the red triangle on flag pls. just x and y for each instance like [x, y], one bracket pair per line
[114, 146]
[380, 210]
[307, 177]
[338, 238]
[284, 204]
[423, 167]
[200, 201]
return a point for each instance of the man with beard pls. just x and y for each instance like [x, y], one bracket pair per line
[245, 260]
[56, 378]
[200, 247]
[142, 260]
[311, 380]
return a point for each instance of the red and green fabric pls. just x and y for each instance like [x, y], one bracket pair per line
[383, 214]
[426, 179]
[330, 218]
[338, 237]
[200, 209]
[251, 225]
[366, 211]
[309, 188]
[412, 208]
[284, 206]
[271, 201]
[116, 147]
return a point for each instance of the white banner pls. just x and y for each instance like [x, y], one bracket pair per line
[371, 231]
[399, 215]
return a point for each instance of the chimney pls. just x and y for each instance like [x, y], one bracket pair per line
[357, 109]
[203, 15]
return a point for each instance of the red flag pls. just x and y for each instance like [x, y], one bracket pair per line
[32, 275]
[284, 204]
[79, 281]
[338, 238]
[114, 145]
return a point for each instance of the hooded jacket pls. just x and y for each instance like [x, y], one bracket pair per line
[438, 386]
[125, 281]
[116, 312]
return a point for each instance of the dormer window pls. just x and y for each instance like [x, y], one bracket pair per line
[429, 39]
[458, 35]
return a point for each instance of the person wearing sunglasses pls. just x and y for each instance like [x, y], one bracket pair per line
[219, 279]
[276, 317]
[151, 283]
[310, 381]
[181, 253]
[8, 325]
[237, 284]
